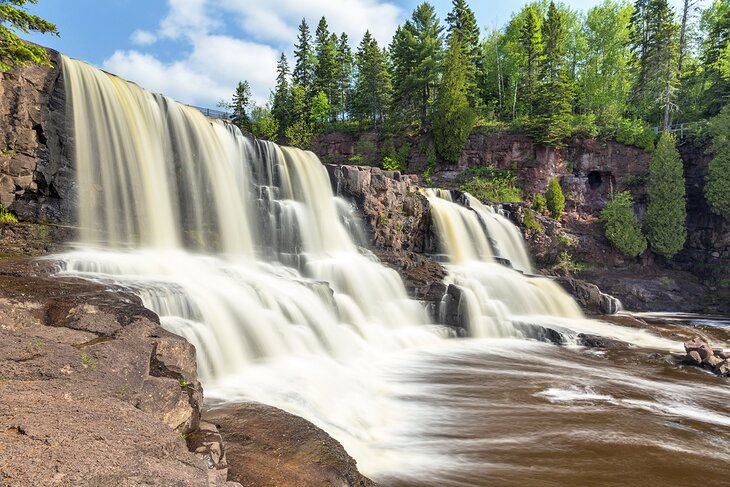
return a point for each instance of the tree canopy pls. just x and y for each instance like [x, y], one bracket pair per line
[14, 19]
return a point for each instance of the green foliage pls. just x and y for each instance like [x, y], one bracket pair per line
[304, 58]
[583, 126]
[453, 117]
[554, 199]
[395, 159]
[491, 185]
[263, 123]
[463, 28]
[87, 360]
[299, 134]
[281, 107]
[539, 203]
[630, 132]
[666, 212]
[373, 89]
[319, 109]
[6, 216]
[531, 222]
[14, 18]
[240, 104]
[565, 240]
[717, 187]
[622, 228]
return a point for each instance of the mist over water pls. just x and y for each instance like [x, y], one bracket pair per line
[240, 246]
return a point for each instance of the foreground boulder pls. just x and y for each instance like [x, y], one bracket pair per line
[267, 447]
[702, 354]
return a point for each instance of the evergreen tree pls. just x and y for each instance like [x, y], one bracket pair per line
[666, 209]
[325, 70]
[622, 227]
[531, 41]
[240, 104]
[263, 123]
[343, 76]
[716, 57]
[555, 93]
[462, 25]
[717, 188]
[304, 58]
[373, 90]
[654, 45]
[281, 98]
[554, 199]
[453, 117]
[13, 50]
[416, 55]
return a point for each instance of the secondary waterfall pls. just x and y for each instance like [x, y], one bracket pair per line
[239, 245]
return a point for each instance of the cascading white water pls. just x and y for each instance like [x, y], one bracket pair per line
[498, 301]
[239, 246]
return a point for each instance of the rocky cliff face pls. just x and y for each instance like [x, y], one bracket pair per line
[36, 177]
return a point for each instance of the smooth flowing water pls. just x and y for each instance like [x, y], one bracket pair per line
[241, 247]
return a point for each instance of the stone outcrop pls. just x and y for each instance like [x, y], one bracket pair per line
[92, 390]
[37, 181]
[702, 354]
[267, 447]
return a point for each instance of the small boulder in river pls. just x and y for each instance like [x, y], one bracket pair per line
[701, 353]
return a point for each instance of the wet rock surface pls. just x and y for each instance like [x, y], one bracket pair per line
[92, 390]
[702, 354]
[267, 447]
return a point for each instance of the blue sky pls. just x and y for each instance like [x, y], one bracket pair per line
[197, 50]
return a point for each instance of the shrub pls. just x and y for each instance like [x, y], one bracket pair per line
[491, 185]
[717, 187]
[397, 159]
[554, 199]
[583, 125]
[622, 226]
[666, 212]
[299, 134]
[6, 216]
[632, 132]
[539, 204]
[390, 164]
[531, 222]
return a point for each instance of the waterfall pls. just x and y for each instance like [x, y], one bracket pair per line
[241, 247]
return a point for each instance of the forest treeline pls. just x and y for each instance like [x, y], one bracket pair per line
[551, 71]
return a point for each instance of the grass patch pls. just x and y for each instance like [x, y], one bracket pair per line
[491, 185]
[6, 216]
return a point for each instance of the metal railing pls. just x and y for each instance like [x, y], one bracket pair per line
[213, 113]
[681, 129]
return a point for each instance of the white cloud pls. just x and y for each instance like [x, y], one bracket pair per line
[211, 64]
[143, 38]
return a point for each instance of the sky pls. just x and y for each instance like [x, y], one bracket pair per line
[197, 51]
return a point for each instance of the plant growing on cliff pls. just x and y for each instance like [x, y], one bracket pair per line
[6, 216]
[453, 118]
[13, 51]
[491, 185]
[666, 211]
[299, 134]
[554, 199]
[539, 204]
[717, 187]
[622, 228]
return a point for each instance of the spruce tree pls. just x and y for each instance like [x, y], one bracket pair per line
[240, 105]
[555, 92]
[462, 25]
[416, 54]
[343, 76]
[373, 89]
[532, 45]
[281, 98]
[326, 56]
[716, 57]
[453, 118]
[666, 212]
[304, 58]
[554, 199]
[622, 228]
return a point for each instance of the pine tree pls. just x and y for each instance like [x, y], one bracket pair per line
[416, 54]
[281, 97]
[622, 228]
[554, 199]
[326, 54]
[304, 58]
[716, 57]
[343, 76]
[453, 117]
[372, 85]
[666, 212]
[13, 50]
[462, 25]
[240, 104]
[531, 41]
